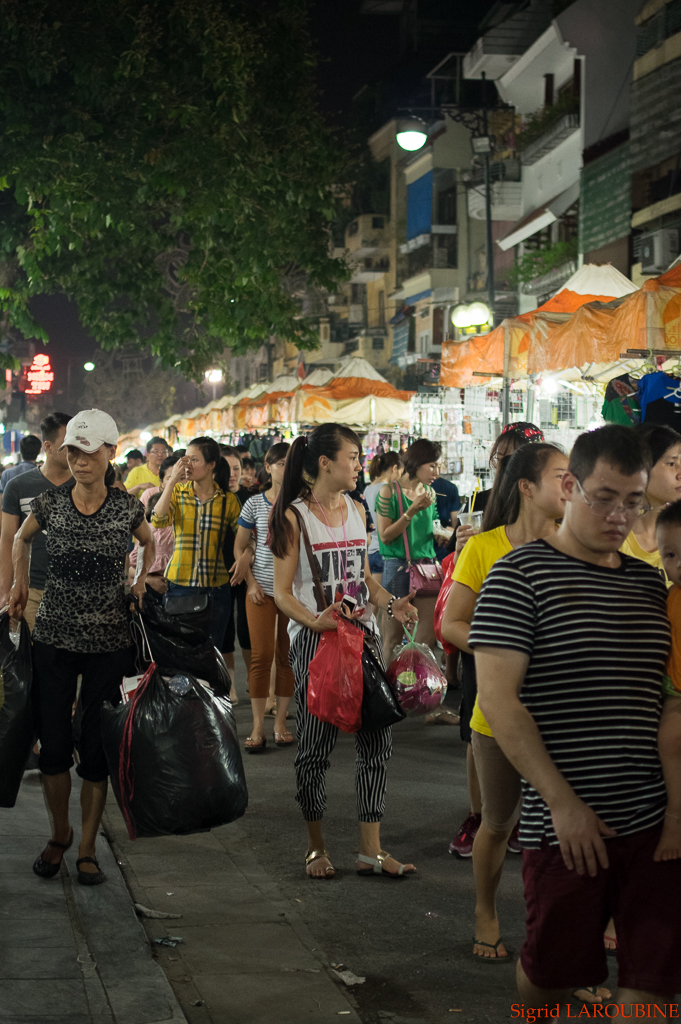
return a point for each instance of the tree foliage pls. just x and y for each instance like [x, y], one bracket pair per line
[130, 387]
[162, 162]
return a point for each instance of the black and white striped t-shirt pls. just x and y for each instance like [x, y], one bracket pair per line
[255, 515]
[597, 639]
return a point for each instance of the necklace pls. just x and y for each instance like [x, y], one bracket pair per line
[342, 561]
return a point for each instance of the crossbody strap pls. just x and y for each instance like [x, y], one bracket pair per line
[312, 559]
[404, 535]
[221, 539]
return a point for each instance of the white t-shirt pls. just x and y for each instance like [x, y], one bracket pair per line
[341, 557]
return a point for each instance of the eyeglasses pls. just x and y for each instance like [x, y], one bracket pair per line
[605, 509]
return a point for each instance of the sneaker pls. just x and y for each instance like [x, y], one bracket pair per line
[513, 844]
[462, 843]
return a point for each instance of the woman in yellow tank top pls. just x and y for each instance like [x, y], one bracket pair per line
[524, 505]
[664, 487]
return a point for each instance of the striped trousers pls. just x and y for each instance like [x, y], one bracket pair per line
[317, 739]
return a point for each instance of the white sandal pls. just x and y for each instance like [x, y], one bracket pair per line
[377, 866]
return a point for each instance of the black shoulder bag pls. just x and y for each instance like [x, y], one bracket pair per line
[196, 610]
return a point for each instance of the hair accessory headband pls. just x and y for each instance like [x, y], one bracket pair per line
[529, 432]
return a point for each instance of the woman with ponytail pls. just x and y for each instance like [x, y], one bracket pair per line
[268, 626]
[198, 504]
[384, 468]
[313, 504]
[525, 503]
[81, 627]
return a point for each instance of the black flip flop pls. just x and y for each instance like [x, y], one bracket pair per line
[491, 959]
[90, 877]
[43, 868]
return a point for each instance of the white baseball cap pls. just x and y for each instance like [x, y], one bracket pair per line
[90, 429]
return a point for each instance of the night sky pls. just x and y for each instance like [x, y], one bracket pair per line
[354, 50]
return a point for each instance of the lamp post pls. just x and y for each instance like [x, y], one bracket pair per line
[213, 377]
[482, 144]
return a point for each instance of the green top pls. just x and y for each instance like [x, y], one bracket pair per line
[420, 536]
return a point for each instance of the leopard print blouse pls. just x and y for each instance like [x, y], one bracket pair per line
[83, 605]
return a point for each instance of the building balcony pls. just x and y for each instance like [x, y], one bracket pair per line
[367, 235]
[533, 147]
[507, 201]
[434, 251]
[368, 269]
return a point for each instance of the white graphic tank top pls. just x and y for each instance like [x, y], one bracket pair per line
[333, 563]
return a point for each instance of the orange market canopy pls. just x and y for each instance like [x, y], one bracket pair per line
[518, 345]
[356, 395]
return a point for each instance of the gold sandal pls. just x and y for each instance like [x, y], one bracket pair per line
[313, 855]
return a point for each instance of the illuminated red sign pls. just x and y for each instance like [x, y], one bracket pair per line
[40, 375]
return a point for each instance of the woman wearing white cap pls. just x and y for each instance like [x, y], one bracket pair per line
[81, 627]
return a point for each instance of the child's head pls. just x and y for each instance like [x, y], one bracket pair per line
[668, 530]
[153, 499]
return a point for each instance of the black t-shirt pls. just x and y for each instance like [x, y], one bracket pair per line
[242, 495]
[17, 499]
[83, 606]
[597, 639]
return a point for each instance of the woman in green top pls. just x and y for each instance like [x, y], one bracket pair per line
[418, 514]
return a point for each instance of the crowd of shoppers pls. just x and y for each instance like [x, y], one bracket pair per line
[560, 608]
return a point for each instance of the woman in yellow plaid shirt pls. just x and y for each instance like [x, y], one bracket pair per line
[199, 505]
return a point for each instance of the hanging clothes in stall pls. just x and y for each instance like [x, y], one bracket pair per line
[659, 396]
[621, 403]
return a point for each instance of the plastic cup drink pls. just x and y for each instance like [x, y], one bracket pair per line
[473, 519]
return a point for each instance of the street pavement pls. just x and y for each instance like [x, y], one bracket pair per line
[260, 940]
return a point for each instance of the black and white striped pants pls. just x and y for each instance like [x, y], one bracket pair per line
[317, 739]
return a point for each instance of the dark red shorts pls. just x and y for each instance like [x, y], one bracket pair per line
[567, 913]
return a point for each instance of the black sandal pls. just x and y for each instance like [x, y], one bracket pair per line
[492, 959]
[90, 877]
[46, 870]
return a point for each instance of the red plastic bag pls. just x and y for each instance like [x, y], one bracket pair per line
[447, 568]
[336, 687]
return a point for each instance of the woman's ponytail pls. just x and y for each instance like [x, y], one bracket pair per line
[110, 476]
[292, 486]
[210, 450]
[300, 473]
[381, 463]
[526, 463]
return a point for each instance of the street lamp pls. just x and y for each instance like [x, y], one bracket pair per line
[88, 366]
[411, 134]
[213, 377]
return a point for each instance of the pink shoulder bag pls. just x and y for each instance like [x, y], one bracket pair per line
[424, 577]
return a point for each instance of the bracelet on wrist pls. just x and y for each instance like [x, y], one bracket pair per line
[408, 518]
[389, 609]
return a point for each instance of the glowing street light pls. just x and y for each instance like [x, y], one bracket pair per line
[411, 134]
[474, 315]
[88, 366]
[213, 376]
[145, 436]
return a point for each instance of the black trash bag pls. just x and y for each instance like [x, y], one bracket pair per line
[176, 648]
[194, 628]
[379, 703]
[17, 728]
[174, 761]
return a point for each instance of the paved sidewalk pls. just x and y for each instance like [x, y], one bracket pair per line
[70, 954]
[76, 955]
[246, 957]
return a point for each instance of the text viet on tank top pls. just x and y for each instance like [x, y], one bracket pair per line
[337, 560]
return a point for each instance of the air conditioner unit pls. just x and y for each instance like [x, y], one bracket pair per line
[658, 249]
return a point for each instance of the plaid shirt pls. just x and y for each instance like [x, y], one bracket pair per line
[198, 537]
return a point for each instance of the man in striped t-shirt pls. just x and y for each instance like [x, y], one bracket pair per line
[570, 642]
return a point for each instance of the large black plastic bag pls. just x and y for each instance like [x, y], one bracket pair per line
[16, 710]
[379, 703]
[174, 761]
[178, 647]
